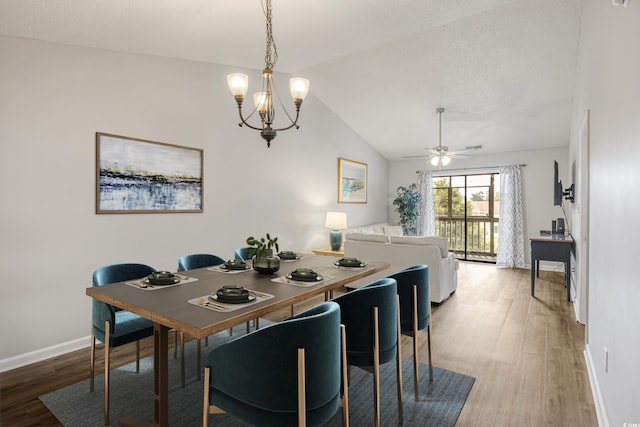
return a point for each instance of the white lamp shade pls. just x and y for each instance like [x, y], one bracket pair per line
[435, 160]
[238, 84]
[262, 100]
[336, 220]
[299, 88]
[446, 160]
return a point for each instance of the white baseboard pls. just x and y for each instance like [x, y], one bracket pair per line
[42, 354]
[601, 412]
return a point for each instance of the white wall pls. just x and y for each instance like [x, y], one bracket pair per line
[608, 85]
[537, 178]
[53, 98]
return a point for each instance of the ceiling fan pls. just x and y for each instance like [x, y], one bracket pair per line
[441, 155]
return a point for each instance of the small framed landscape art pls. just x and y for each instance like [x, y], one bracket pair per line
[139, 176]
[352, 181]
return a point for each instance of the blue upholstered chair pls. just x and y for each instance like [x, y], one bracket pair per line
[371, 317]
[242, 254]
[114, 326]
[193, 261]
[415, 311]
[285, 374]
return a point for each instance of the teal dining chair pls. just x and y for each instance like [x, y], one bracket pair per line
[113, 326]
[285, 374]
[242, 254]
[191, 262]
[370, 315]
[415, 311]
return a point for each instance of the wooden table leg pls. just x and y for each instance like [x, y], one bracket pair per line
[160, 381]
[160, 375]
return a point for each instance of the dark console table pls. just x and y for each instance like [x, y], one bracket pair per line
[551, 247]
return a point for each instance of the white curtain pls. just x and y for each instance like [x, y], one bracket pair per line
[511, 225]
[426, 211]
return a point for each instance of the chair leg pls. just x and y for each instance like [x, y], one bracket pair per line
[107, 352]
[175, 343]
[399, 363]
[345, 378]
[182, 372]
[414, 325]
[92, 360]
[429, 350]
[205, 403]
[199, 363]
[376, 367]
[302, 404]
[138, 356]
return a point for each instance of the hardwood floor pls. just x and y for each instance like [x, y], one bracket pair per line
[525, 353]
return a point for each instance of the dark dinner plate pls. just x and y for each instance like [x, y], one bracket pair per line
[349, 262]
[304, 275]
[162, 278]
[233, 294]
[235, 264]
[287, 255]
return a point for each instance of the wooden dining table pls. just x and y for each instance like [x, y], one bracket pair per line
[168, 307]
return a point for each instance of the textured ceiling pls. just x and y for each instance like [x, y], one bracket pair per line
[503, 70]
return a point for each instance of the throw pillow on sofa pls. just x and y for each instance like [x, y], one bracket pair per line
[393, 230]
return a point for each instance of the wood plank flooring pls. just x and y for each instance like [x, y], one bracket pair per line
[525, 353]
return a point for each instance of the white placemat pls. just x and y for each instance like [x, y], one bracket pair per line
[143, 284]
[297, 258]
[221, 269]
[205, 302]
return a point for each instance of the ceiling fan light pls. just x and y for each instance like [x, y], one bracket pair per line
[446, 160]
[435, 160]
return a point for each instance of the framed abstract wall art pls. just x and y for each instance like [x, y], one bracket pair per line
[139, 176]
[352, 181]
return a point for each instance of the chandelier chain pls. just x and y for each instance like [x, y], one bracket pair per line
[271, 53]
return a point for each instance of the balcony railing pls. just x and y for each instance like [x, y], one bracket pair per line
[481, 233]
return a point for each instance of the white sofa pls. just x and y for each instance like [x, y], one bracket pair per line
[381, 242]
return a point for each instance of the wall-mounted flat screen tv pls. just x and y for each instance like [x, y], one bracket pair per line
[557, 186]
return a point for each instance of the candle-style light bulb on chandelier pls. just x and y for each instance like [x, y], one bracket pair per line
[264, 100]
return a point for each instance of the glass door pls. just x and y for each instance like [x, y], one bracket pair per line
[467, 214]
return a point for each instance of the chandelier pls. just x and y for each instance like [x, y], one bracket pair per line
[264, 100]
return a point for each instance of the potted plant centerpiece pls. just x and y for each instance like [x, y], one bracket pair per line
[261, 250]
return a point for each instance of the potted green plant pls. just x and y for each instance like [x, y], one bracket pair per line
[262, 252]
[406, 205]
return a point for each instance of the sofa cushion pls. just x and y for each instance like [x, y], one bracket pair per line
[378, 228]
[393, 230]
[440, 242]
[367, 237]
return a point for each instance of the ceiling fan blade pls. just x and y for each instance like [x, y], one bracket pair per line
[416, 157]
[458, 156]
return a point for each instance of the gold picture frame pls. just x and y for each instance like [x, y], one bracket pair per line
[139, 176]
[352, 181]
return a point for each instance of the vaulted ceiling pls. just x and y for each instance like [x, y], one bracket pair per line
[503, 70]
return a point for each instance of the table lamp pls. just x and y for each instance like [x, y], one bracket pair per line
[336, 221]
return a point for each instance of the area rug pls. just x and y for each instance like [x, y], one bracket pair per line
[440, 401]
